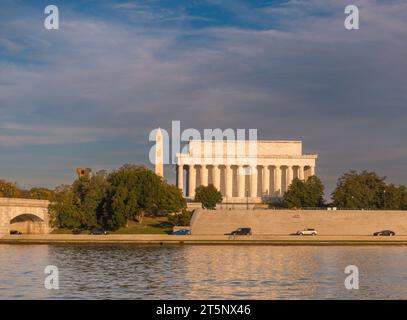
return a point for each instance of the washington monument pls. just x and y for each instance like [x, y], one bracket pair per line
[159, 157]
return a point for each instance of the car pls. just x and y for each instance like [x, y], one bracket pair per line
[242, 232]
[384, 233]
[15, 232]
[307, 232]
[183, 232]
[99, 231]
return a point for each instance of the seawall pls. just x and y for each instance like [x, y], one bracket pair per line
[286, 222]
[149, 239]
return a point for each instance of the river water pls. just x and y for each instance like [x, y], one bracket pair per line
[202, 272]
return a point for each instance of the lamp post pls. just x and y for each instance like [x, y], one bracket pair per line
[384, 199]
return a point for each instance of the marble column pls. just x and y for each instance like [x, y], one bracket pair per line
[301, 173]
[278, 184]
[192, 181]
[241, 178]
[253, 181]
[180, 177]
[312, 171]
[204, 175]
[229, 182]
[266, 181]
[290, 175]
[216, 177]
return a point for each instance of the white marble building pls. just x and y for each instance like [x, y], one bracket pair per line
[243, 170]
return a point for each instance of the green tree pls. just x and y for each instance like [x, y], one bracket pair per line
[305, 194]
[9, 189]
[79, 205]
[395, 198]
[171, 200]
[91, 193]
[295, 194]
[363, 190]
[209, 196]
[314, 193]
[181, 219]
[41, 194]
[63, 212]
[111, 200]
[135, 191]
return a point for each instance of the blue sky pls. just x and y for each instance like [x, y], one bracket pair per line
[90, 93]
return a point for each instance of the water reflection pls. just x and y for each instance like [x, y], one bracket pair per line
[202, 272]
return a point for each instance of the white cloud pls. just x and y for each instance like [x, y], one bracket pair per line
[301, 76]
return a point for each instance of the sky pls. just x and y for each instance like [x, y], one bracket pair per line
[90, 93]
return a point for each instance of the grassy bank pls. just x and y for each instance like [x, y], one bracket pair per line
[150, 225]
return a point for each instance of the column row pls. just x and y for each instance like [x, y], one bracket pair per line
[241, 181]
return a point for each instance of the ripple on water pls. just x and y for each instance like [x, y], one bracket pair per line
[202, 272]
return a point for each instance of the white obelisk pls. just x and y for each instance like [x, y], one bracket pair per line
[159, 157]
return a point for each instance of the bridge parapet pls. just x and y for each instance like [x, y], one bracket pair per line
[11, 202]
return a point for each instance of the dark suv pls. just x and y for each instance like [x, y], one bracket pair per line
[384, 233]
[99, 231]
[242, 232]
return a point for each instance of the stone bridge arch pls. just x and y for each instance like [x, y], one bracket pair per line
[25, 215]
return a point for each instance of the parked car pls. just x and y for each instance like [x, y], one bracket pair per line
[183, 232]
[385, 233]
[15, 232]
[242, 232]
[307, 232]
[99, 231]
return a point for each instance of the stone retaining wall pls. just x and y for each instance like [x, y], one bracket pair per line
[285, 222]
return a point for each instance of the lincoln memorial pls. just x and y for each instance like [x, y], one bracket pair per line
[243, 170]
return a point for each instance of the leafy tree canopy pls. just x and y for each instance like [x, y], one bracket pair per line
[63, 212]
[305, 194]
[135, 190]
[9, 189]
[363, 190]
[41, 194]
[181, 219]
[209, 196]
[395, 198]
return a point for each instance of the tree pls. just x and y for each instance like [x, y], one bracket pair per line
[41, 194]
[395, 198]
[209, 196]
[181, 219]
[9, 189]
[91, 193]
[305, 194]
[314, 193]
[171, 200]
[79, 205]
[363, 190]
[63, 212]
[135, 191]
[294, 196]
